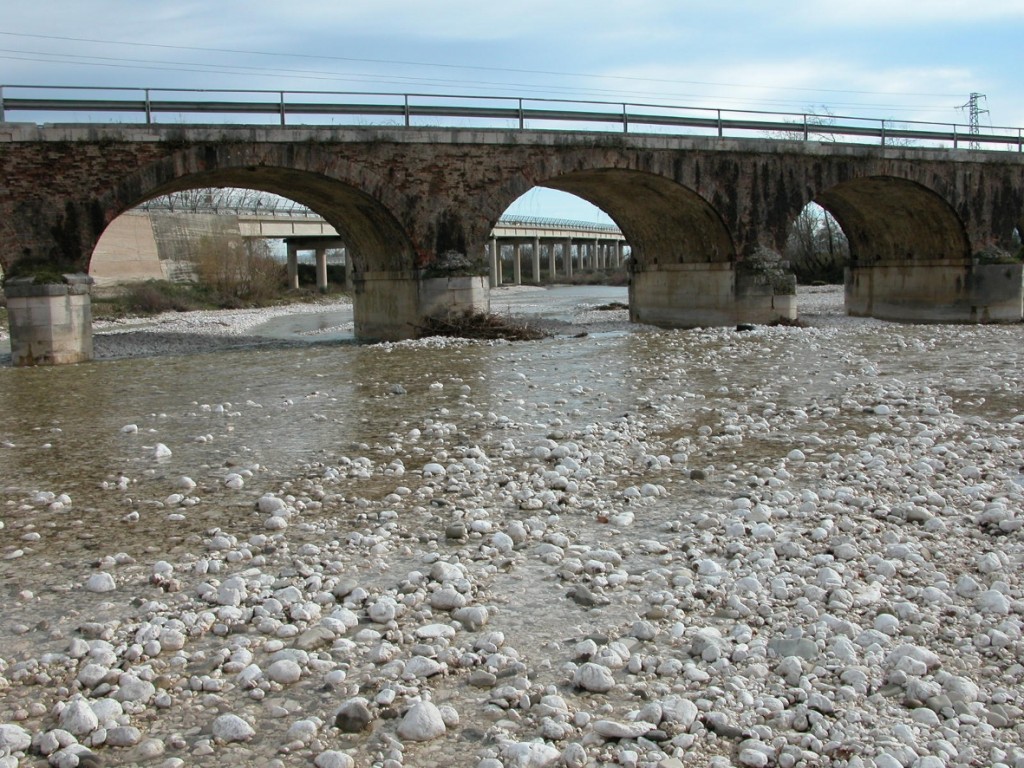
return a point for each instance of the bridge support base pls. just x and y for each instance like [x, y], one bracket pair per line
[50, 323]
[389, 306]
[937, 292]
[700, 295]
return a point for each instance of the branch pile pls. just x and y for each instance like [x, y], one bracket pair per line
[478, 325]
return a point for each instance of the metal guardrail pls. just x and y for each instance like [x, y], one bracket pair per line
[525, 113]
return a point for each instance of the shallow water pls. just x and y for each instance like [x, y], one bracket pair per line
[280, 408]
[280, 416]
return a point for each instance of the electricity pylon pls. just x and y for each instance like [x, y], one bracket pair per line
[974, 112]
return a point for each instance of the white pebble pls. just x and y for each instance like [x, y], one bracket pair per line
[101, 582]
[422, 722]
[232, 728]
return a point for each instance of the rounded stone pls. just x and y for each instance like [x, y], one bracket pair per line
[332, 758]
[78, 717]
[101, 582]
[231, 728]
[423, 722]
[14, 738]
[284, 671]
[353, 716]
[593, 677]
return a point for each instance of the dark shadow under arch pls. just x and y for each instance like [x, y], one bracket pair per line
[888, 219]
[663, 221]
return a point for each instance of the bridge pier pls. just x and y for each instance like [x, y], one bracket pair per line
[390, 306]
[50, 323]
[938, 291]
[709, 294]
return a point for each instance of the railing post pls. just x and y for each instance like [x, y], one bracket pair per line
[281, 94]
[521, 121]
[1019, 148]
[718, 112]
[149, 109]
[625, 119]
[3, 117]
[955, 138]
[805, 127]
[406, 109]
[883, 133]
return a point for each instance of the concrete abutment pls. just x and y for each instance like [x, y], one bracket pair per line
[50, 323]
[936, 292]
[701, 295]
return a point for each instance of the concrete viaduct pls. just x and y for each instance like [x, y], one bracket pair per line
[416, 207]
[567, 245]
[147, 243]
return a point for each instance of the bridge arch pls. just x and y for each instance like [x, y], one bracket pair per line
[888, 220]
[376, 240]
[664, 222]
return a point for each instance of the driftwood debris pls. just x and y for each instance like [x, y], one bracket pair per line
[478, 325]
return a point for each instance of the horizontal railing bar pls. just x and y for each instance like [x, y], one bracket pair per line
[519, 111]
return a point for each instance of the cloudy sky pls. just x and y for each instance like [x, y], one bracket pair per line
[892, 59]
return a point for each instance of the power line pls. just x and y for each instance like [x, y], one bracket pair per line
[472, 67]
[523, 89]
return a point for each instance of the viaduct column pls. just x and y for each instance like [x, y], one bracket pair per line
[536, 259]
[348, 268]
[293, 265]
[495, 270]
[321, 269]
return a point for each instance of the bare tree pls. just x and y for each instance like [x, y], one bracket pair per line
[816, 126]
[238, 270]
[816, 248]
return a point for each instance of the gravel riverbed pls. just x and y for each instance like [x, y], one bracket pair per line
[792, 546]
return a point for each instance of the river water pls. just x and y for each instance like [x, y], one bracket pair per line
[692, 414]
[270, 410]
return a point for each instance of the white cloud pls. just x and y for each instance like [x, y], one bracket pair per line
[801, 84]
[887, 13]
[790, 54]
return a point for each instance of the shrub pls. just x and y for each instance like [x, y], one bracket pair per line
[155, 296]
[239, 272]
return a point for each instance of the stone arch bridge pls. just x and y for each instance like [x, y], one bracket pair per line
[703, 216]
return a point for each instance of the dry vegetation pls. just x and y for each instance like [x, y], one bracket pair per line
[478, 325]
